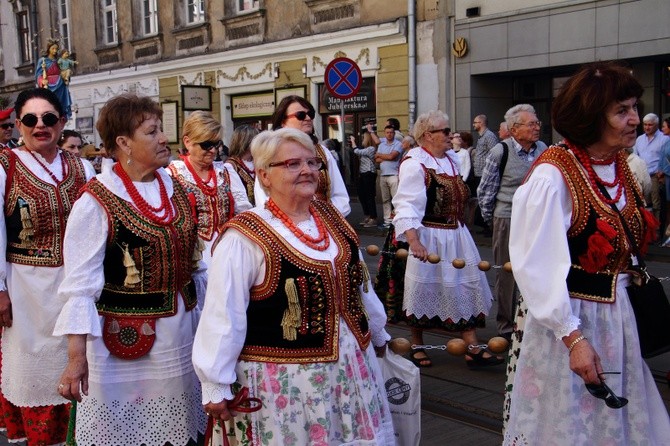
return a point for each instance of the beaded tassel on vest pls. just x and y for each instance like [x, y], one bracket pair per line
[197, 252]
[132, 274]
[28, 232]
[366, 276]
[291, 320]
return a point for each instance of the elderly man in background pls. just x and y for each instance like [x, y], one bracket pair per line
[648, 147]
[503, 131]
[487, 139]
[6, 129]
[504, 171]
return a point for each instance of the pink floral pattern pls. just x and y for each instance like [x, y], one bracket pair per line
[318, 404]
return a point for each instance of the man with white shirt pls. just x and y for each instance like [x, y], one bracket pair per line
[388, 156]
[648, 147]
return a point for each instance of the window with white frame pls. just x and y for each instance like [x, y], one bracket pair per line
[195, 11]
[64, 22]
[149, 17]
[247, 5]
[23, 31]
[109, 23]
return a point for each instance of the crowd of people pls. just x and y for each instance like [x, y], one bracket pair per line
[147, 298]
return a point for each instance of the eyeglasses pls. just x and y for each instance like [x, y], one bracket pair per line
[295, 164]
[603, 392]
[209, 145]
[7, 125]
[49, 119]
[530, 124]
[301, 115]
[445, 130]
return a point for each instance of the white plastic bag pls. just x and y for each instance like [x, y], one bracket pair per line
[402, 380]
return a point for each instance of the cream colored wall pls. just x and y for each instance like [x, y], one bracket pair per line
[503, 7]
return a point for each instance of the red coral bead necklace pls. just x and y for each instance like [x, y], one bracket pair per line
[151, 212]
[319, 243]
[586, 161]
[202, 184]
[44, 166]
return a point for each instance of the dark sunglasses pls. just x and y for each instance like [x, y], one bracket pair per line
[30, 119]
[7, 125]
[603, 392]
[209, 145]
[301, 115]
[445, 130]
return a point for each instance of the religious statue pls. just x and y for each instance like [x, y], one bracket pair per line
[48, 75]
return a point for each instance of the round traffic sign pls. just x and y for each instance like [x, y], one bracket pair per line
[343, 78]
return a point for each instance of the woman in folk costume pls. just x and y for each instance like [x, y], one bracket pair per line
[130, 309]
[39, 183]
[571, 254]
[291, 315]
[218, 196]
[296, 112]
[240, 163]
[429, 216]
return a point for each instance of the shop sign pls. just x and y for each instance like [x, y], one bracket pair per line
[364, 100]
[253, 105]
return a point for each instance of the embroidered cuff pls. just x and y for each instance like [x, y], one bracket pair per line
[379, 338]
[567, 327]
[215, 393]
[78, 316]
[403, 224]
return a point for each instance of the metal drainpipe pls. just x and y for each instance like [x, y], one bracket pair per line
[411, 42]
[33, 17]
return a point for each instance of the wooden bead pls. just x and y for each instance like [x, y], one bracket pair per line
[401, 254]
[484, 265]
[457, 347]
[372, 250]
[401, 346]
[458, 263]
[507, 267]
[433, 258]
[498, 344]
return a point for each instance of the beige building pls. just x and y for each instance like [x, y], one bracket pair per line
[237, 58]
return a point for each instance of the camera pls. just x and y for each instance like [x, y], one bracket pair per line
[367, 121]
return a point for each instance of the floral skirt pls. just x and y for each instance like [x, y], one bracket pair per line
[325, 403]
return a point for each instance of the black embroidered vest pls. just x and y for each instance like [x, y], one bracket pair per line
[247, 177]
[161, 255]
[294, 282]
[446, 197]
[588, 212]
[36, 211]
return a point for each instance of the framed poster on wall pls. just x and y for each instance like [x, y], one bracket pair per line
[196, 97]
[171, 121]
[281, 93]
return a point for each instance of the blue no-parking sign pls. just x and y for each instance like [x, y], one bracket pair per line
[343, 78]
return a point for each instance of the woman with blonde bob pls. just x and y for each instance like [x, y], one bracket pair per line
[292, 315]
[218, 196]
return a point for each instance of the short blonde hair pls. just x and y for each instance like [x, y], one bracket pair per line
[202, 126]
[427, 122]
[265, 146]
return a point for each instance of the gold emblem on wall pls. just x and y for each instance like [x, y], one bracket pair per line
[459, 47]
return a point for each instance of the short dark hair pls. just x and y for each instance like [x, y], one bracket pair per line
[578, 112]
[390, 127]
[122, 115]
[394, 122]
[67, 133]
[466, 137]
[667, 121]
[41, 93]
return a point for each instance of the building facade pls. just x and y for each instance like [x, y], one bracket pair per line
[237, 58]
[523, 50]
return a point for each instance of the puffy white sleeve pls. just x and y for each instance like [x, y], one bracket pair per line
[237, 264]
[538, 248]
[409, 201]
[376, 313]
[84, 252]
[239, 193]
[339, 196]
[260, 197]
[3, 233]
